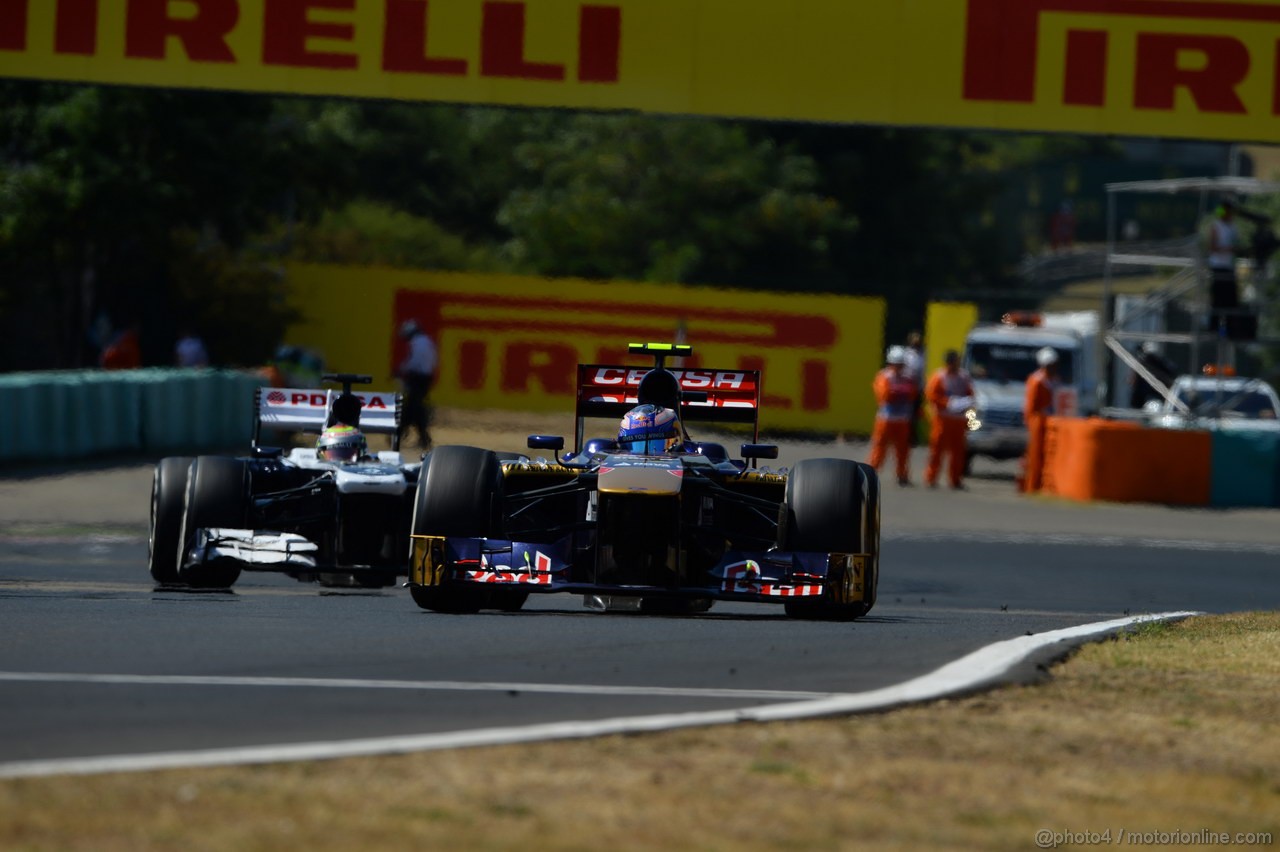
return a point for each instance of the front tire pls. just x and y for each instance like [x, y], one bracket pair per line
[833, 506]
[458, 491]
[216, 496]
[168, 491]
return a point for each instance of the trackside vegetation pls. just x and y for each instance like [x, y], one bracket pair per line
[122, 206]
[1169, 731]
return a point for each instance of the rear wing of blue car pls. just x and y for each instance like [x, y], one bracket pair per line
[708, 396]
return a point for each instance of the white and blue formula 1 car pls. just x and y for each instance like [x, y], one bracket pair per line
[664, 526]
[341, 524]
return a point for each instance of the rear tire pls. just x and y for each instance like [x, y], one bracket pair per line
[216, 496]
[168, 491]
[458, 490]
[833, 506]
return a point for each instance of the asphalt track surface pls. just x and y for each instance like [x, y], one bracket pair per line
[97, 661]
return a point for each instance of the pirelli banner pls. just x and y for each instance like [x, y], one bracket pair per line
[510, 342]
[1175, 68]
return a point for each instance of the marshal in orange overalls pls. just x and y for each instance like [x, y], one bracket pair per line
[948, 391]
[1036, 409]
[895, 396]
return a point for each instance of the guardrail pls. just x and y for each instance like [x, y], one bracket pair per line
[1095, 459]
[87, 413]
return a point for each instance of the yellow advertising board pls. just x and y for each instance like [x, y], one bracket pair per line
[1208, 69]
[946, 326]
[512, 342]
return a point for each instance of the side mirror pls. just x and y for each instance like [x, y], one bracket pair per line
[600, 445]
[759, 451]
[546, 442]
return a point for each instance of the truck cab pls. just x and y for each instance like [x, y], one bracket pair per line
[1001, 356]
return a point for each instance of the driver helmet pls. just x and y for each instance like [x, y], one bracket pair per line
[341, 443]
[649, 429]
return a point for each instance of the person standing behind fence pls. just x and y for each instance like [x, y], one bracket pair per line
[189, 351]
[124, 352]
[418, 373]
[895, 396]
[950, 392]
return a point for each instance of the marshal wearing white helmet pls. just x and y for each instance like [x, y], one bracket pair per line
[895, 393]
[1002, 356]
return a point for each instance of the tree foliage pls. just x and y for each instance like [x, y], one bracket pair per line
[97, 185]
[175, 208]
[677, 200]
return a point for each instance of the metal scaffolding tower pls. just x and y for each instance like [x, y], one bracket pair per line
[1188, 281]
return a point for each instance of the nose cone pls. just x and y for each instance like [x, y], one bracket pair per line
[659, 479]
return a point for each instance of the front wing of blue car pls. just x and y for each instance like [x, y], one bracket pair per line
[767, 577]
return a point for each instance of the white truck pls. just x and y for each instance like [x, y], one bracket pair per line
[1000, 356]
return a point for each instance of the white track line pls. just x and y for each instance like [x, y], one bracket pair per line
[441, 685]
[980, 668]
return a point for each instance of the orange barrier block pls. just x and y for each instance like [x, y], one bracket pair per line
[1093, 459]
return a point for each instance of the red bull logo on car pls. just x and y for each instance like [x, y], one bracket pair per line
[537, 571]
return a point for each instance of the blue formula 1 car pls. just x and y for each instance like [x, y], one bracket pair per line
[651, 520]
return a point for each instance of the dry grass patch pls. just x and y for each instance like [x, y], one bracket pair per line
[1171, 728]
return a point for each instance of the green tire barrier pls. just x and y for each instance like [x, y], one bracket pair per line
[1244, 469]
[89, 413]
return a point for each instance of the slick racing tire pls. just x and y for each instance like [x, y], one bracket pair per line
[168, 491]
[833, 506]
[458, 491]
[217, 496]
[871, 540]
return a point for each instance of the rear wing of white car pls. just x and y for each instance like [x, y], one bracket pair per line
[312, 409]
